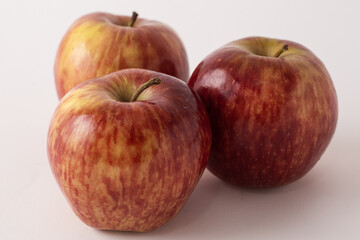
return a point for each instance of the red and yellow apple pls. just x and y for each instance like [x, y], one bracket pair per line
[272, 107]
[128, 148]
[101, 43]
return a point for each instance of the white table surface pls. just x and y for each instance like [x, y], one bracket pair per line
[325, 204]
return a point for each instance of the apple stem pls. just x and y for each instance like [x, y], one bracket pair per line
[149, 83]
[284, 49]
[133, 19]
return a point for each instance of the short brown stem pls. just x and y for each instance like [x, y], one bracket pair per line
[284, 49]
[133, 19]
[149, 83]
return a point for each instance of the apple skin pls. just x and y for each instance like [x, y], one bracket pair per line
[271, 117]
[128, 166]
[100, 43]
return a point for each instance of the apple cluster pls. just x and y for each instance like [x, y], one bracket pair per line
[133, 134]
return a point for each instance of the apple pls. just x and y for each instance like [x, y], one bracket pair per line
[100, 43]
[272, 107]
[128, 148]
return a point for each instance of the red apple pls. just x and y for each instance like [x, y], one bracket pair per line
[101, 43]
[272, 107]
[126, 161]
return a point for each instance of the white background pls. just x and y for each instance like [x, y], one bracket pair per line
[325, 204]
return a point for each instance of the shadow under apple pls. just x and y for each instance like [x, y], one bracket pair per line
[217, 209]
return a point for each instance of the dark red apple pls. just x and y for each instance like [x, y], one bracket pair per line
[272, 107]
[100, 43]
[127, 155]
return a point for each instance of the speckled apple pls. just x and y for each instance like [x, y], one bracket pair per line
[128, 163]
[100, 43]
[272, 107]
